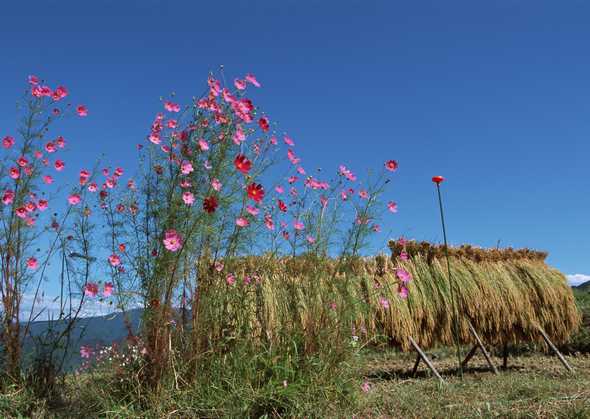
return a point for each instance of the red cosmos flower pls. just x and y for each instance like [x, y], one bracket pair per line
[263, 123]
[59, 93]
[438, 179]
[255, 192]
[391, 165]
[282, 206]
[210, 204]
[82, 110]
[8, 141]
[242, 164]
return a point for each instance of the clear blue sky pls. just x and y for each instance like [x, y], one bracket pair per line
[492, 95]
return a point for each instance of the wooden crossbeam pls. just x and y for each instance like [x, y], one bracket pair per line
[469, 356]
[483, 348]
[555, 350]
[423, 356]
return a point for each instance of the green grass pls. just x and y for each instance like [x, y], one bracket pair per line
[532, 386]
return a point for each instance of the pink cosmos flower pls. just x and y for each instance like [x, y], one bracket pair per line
[91, 289]
[8, 141]
[240, 84]
[230, 279]
[59, 165]
[93, 187]
[216, 184]
[186, 167]
[242, 222]
[60, 141]
[288, 141]
[82, 110]
[219, 266]
[392, 206]
[50, 147]
[364, 194]
[298, 225]
[33, 80]
[366, 387]
[384, 302]
[21, 212]
[310, 239]
[203, 145]
[292, 157]
[172, 240]
[114, 260]
[269, 222]
[250, 78]
[252, 210]
[171, 107]
[343, 171]
[86, 351]
[402, 291]
[279, 189]
[403, 256]
[48, 180]
[8, 197]
[59, 93]
[74, 199]
[403, 275]
[42, 205]
[188, 198]
[14, 173]
[108, 289]
[32, 263]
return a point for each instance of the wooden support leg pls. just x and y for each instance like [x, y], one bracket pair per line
[469, 356]
[483, 349]
[415, 369]
[426, 360]
[555, 350]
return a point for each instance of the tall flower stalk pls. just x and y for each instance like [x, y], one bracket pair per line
[437, 181]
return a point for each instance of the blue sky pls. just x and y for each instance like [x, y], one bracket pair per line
[492, 95]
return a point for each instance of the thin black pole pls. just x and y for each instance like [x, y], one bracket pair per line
[451, 285]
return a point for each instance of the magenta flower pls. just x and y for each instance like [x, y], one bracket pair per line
[186, 167]
[242, 222]
[74, 199]
[86, 351]
[91, 289]
[8, 141]
[32, 263]
[188, 198]
[250, 78]
[114, 260]
[108, 289]
[392, 206]
[172, 240]
[403, 275]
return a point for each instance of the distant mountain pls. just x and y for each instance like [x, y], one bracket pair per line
[584, 286]
[92, 331]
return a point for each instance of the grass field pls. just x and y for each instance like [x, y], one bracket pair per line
[532, 386]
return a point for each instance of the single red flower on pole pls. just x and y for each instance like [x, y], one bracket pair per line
[438, 179]
[255, 192]
[391, 165]
[242, 164]
[210, 204]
